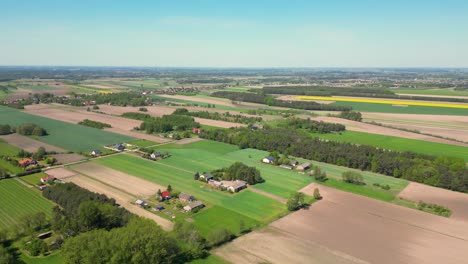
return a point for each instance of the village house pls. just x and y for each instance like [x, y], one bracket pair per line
[193, 205]
[293, 163]
[234, 186]
[268, 159]
[206, 177]
[183, 197]
[156, 155]
[26, 162]
[96, 152]
[48, 179]
[303, 166]
[119, 147]
[196, 130]
[166, 195]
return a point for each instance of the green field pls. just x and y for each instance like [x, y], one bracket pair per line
[447, 91]
[220, 217]
[36, 87]
[56, 258]
[383, 108]
[61, 134]
[211, 259]
[142, 143]
[33, 179]
[398, 144]
[7, 149]
[18, 200]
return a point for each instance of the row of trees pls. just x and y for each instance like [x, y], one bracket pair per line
[312, 125]
[269, 100]
[351, 115]
[446, 172]
[168, 123]
[239, 171]
[95, 124]
[217, 116]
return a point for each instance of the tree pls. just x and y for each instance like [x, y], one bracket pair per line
[40, 153]
[38, 131]
[5, 129]
[295, 201]
[169, 188]
[196, 176]
[36, 247]
[158, 194]
[219, 236]
[5, 256]
[353, 177]
[317, 195]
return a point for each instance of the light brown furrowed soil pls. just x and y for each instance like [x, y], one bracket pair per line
[61, 173]
[187, 141]
[130, 184]
[28, 144]
[455, 127]
[124, 199]
[455, 201]
[374, 129]
[347, 228]
[68, 158]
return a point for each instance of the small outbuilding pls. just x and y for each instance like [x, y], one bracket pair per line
[268, 159]
[193, 205]
[96, 152]
[303, 166]
[206, 176]
[183, 197]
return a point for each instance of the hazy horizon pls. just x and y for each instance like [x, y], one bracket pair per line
[240, 34]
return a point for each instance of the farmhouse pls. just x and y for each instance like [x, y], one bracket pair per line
[293, 163]
[183, 197]
[286, 166]
[119, 147]
[303, 166]
[234, 186]
[206, 177]
[156, 155]
[26, 162]
[48, 179]
[193, 205]
[268, 159]
[196, 130]
[166, 195]
[96, 152]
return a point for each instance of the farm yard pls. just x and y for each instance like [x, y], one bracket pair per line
[64, 135]
[342, 228]
[18, 200]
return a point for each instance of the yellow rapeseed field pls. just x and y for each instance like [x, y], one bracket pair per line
[382, 101]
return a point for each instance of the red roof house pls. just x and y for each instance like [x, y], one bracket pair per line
[165, 195]
[26, 162]
[48, 179]
[196, 130]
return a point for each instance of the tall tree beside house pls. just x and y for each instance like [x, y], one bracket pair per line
[169, 188]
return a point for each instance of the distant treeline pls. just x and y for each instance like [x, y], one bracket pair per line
[351, 91]
[217, 116]
[312, 125]
[269, 100]
[446, 172]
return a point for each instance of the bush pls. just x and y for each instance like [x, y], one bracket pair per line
[296, 201]
[219, 236]
[317, 195]
[95, 124]
[30, 129]
[36, 247]
[353, 177]
[5, 129]
[143, 109]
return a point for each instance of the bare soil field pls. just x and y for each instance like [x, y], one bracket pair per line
[28, 144]
[217, 123]
[455, 127]
[61, 173]
[348, 228]
[374, 129]
[188, 141]
[135, 186]
[125, 200]
[455, 201]
[68, 158]
[157, 111]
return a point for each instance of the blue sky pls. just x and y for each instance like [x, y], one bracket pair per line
[206, 33]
